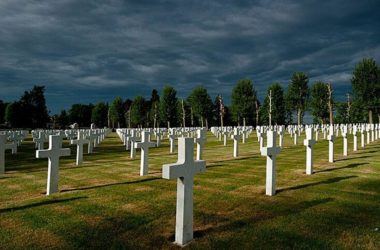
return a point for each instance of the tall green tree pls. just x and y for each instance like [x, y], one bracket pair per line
[2, 111]
[243, 101]
[117, 112]
[201, 104]
[81, 114]
[31, 110]
[13, 117]
[154, 108]
[275, 93]
[366, 88]
[298, 94]
[127, 116]
[99, 115]
[63, 119]
[319, 98]
[138, 111]
[168, 106]
[341, 115]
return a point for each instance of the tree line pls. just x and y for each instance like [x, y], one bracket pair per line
[198, 109]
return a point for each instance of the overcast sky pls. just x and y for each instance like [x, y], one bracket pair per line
[90, 51]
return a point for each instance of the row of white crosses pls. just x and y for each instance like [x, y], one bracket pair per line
[10, 140]
[55, 151]
[183, 170]
[145, 144]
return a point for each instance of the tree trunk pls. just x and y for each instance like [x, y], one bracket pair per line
[244, 122]
[257, 112]
[221, 121]
[168, 124]
[206, 124]
[191, 115]
[202, 121]
[370, 116]
[299, 116]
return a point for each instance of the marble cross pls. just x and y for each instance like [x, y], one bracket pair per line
[244, 134]
[345, 140]
[184, 171]
[145, 144]
[4, 146]
[225, 134]
[90, 137]
[309, 143]
[236, 138]
[362, 136]
[271, 151]
[79, 142]
[200, 141]
[40, 140]
[53, 153]
[158, 134]
[368, 134]
[331, 139]
[133, 138]
[355, 134]
[172, 138]
[295, 137]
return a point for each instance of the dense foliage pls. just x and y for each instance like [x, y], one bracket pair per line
[198, 109]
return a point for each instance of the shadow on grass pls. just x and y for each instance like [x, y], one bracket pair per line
[5, 177]
[244, 222]
[109, 185]
[42, 203]
[352, 158]
[214, 165]
[353, 165]
[328, 181]
[235, 159]
[366, 152]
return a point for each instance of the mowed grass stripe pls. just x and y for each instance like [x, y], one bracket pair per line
[104, 203]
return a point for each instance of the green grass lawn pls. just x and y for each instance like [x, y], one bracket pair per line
[104, 203]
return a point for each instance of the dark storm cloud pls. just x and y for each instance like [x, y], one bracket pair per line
[87, 51]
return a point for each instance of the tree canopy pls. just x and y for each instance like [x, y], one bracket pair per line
[366, 89]
[138, 111]
[319, 98]
[99, 115]
[201, 104]
[278, 106]
[168, 106]
[243, 101]
[298, 92]
[30, 111]
[117, 112]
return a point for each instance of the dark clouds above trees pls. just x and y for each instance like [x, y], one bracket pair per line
[90, 51]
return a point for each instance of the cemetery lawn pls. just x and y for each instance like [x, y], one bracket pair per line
[104, 203]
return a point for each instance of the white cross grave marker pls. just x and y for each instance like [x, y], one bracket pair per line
[172, 137]
[200, 141]
[184, 170]
[236, 138]
[309, 143]
[362, 136]
[132, 140]
[355, 134]
[53, 153]
[271, 151]
[331, 140]
[79, 142]
[345, 140]
[145, 144]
